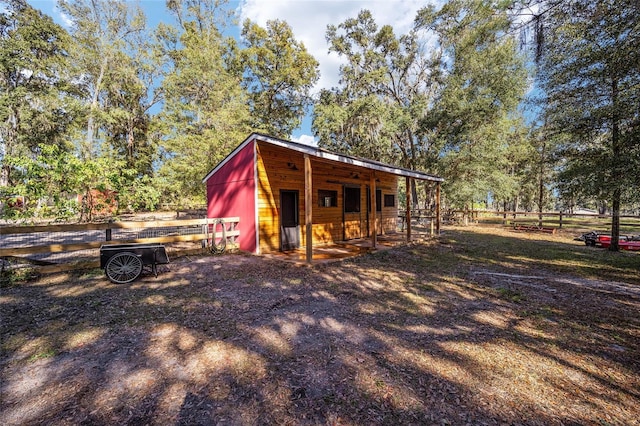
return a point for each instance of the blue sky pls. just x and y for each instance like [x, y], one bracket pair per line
[307, 18]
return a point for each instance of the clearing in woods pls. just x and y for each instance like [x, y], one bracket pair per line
[481, 326]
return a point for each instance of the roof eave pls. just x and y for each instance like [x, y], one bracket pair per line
[317, 152]
[326, 155]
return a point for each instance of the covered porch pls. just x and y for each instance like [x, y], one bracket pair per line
[339, 250]
[376, 239]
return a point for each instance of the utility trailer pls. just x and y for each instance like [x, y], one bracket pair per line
[123, 263]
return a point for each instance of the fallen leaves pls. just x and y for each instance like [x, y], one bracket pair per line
[463, 332]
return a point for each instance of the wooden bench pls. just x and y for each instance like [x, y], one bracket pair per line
[534, 228]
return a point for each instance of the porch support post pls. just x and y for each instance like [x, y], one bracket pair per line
[437, 208]
[308, 207]
[372, 213]
[408, 210]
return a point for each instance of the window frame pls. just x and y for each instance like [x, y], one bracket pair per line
[391, 197]
[327, 193]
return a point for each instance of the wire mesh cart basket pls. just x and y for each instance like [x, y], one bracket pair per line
[123, 263]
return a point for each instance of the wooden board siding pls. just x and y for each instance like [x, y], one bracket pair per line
[282, 169]
[231, 192]
[277, 169]
[387, 218]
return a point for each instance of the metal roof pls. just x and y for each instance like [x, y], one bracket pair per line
[314, 151]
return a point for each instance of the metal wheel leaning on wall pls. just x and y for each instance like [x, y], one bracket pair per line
[220, 247]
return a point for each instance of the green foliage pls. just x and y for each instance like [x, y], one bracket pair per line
[120, 67]
[10, 277]
[279, 76]
[141, 194]
[44, 183]
[451, 110]
[145, 113]
[79, 111]
[34, 87]
[475, 118]
[590, 73]
[205, 112]
[386, 87]
[100, 33]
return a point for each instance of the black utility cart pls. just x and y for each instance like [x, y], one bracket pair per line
[123, 262]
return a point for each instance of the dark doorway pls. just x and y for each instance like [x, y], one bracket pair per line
[289, 220]
[352, 225]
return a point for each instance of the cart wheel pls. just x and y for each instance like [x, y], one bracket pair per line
[123, 268]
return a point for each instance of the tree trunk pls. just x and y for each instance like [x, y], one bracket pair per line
[541, 184]
[130, 141]
[414, 195]
[4, 176]
[10, 136]
[504, 209]
[615, 221]
[412, 164]
[615, 170]
[87, 151]
[540, 200]
[429, 203]
[465, 215]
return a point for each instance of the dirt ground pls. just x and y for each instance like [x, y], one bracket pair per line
[482, 326]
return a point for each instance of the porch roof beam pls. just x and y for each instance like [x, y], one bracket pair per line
[345, 159]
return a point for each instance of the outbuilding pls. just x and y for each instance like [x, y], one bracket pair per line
[289, 195]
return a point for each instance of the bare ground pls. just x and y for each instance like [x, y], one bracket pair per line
[480, 327]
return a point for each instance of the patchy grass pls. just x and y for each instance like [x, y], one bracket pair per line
[483, 326]
[46, 354]
[511, 295]
[10, 276]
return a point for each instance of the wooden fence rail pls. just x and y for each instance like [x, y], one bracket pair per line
[561, 220]
[19, 242]
[418, 222]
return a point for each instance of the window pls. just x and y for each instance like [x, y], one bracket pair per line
[389, 200]
[327, 198]
[351, 199]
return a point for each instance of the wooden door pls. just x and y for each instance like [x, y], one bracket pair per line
[289, 220]
[354, 219]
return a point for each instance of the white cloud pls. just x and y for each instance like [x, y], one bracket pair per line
[305, 139]
[64, 18]
[309, 20]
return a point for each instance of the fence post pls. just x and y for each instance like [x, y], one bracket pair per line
[560, 224]
[107, 235]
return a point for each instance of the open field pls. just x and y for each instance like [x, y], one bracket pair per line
[482, 326]
[572, 223]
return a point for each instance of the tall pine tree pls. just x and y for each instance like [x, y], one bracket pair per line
[475, 118]
[279, 75]
[590, 74]
[36, 109]
[205, 112]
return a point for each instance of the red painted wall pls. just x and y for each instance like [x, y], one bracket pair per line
[231, 192]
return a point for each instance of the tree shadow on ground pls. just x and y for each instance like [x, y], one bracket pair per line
[413, 335]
